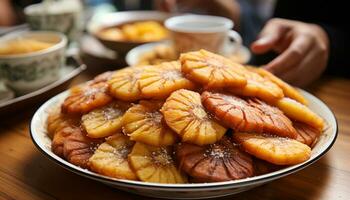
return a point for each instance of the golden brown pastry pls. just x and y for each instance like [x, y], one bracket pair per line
[248, 114]
[105, 121]
[276, 150]
[212, 70]
[184, 113]
[86, 97]
[155, 164]
[222, 161]
[144, 123]
[111, 158]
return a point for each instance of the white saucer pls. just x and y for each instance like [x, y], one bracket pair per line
[134, 55]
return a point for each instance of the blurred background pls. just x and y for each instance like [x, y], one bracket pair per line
[294, 40]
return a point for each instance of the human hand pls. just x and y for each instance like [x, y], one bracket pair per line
[303, 50]
[183, 5]
[7, 14]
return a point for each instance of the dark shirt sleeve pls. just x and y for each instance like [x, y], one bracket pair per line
[332, 16]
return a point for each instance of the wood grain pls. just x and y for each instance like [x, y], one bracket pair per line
[27, 174]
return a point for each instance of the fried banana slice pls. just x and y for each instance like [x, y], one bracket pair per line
[222, 161]
[111, 158]
[306, 134]
[57, 120]
[125, 85]
[159, 81]
[78, 148]
[263, 167]
[59, 137]
[248, 115]
[105, 121]
[184, 113]
[299, 112]
[143, 122]
[260, 87]
[104, 77]
[86, 97]
[154, 164]
[276, 150]
[288, 90]
[212, 70]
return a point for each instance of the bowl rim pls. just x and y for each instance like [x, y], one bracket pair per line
[61, 44]
[180, 187]
[95, 26]
[133, 42]
[226, 23]
[30, 11]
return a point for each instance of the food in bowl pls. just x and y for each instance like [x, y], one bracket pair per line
[165, 52]
[31, 59]
[143, 31]
[23, 46]
[158, 54]
[201, 119]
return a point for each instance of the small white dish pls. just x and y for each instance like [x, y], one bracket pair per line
[133, 56]
[184, 191]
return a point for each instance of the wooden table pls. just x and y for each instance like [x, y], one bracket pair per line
[27, 174]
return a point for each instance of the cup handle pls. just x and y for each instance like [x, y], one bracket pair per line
[236, 38]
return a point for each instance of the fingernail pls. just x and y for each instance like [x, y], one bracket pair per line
[262, 41]
[269, 68]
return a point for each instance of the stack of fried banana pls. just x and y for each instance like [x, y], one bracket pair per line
[202, 118]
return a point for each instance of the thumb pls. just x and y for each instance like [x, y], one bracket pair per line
[167, 5]
[269, 37]
[264, 44]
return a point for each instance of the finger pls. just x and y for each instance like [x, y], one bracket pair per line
[284, 43]
[292, 76]
[166, 5]
[311, 73]
[269, 37]
[291, 57]
[305, 73]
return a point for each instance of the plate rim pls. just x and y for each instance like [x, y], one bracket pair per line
[260, 179]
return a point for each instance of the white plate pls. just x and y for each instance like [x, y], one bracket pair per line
[184, 191]
[133, 56]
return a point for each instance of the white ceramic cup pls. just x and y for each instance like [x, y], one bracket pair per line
[194, 32]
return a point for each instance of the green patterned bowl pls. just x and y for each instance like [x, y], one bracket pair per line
[60, 16]
[28, 72]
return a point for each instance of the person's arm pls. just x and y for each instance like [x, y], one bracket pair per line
[331, 16]
[312, 25]
[339, 56]
[303, 50]
[7, 14]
